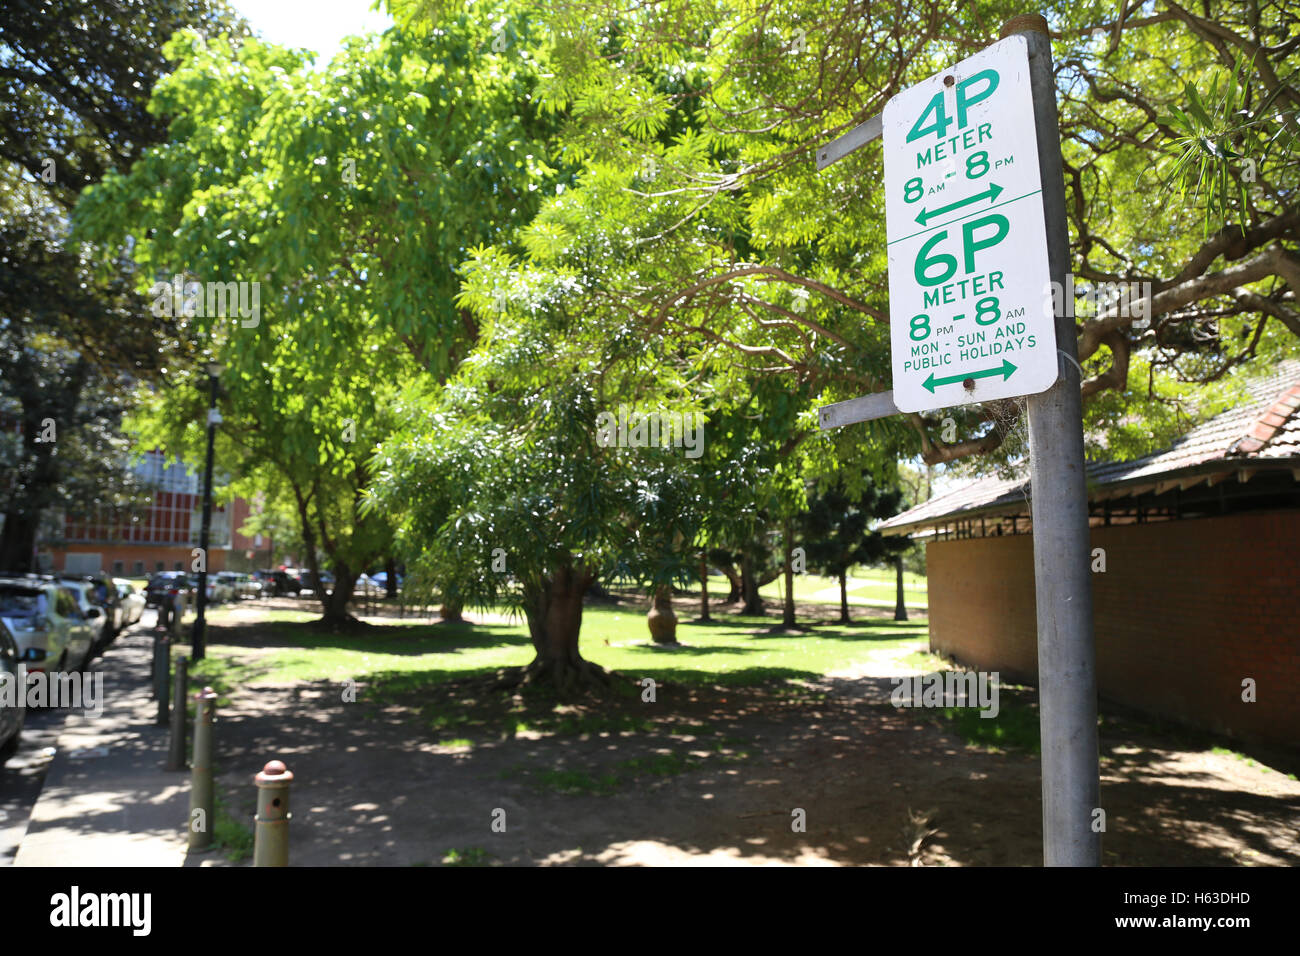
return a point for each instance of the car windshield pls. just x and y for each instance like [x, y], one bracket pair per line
[20, 603]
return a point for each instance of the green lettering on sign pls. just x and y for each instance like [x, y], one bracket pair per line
[941, 120]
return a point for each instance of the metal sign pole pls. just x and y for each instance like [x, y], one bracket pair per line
[1067, 680]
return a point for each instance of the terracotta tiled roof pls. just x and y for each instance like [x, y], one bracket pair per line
[1264, 428]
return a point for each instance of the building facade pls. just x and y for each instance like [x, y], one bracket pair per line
[1196, 572]
[160, 537]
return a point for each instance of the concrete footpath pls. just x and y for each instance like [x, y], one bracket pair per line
[107, 799]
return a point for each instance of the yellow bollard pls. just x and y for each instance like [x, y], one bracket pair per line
[271, 839]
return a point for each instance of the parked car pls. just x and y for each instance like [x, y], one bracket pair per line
[219, 590]
[282, 581]
[271, 582]
[47, 616]
[167, 585]
[306, 581]
[97, 615]
[102, 593]
[131, 600]
[11, 718]
[381, 579]
[241, 585]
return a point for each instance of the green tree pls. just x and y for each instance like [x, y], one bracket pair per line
[505, 485]
[836, 531]
[346, 198]
[75, 80]
[698, 124]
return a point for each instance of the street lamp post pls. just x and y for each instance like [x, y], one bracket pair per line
[214, 370]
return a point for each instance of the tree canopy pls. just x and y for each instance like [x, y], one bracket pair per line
[344, 200]
[75, 83]
[478, 233]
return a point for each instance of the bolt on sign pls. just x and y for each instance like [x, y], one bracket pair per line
[971, 314]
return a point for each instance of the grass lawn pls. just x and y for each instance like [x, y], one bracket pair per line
[744, 724]
[735, 650]
[866, 586]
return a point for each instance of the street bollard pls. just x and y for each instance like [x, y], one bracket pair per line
[201, 803]
[271, 839]
[162, 658]
[176, 753]
[177, 615]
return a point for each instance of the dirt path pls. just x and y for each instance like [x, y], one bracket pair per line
[718, 779]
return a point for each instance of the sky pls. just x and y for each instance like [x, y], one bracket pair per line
[319, 25]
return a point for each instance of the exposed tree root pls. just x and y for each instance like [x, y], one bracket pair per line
[567, 678]
[344, 625]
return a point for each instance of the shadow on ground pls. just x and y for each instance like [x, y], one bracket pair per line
[419, 767]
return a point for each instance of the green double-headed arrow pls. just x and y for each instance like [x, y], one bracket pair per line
[992, 193]
[1005, 371]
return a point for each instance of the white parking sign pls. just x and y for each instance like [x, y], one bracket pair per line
[970, 304]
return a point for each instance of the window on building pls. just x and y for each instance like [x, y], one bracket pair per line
[179, 566]
[160, 567]
[139, 568]
[119, 568]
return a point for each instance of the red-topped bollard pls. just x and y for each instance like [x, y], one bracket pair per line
[271, 838]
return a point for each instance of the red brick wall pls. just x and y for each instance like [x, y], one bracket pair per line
[128, 555]
[1185, 610]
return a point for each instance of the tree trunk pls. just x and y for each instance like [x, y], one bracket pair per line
[390, 582]
[18, 542]
[309, 546]
[753, 602]
[662, 619]
[844, 596]
[704, 589]
[787, 612]
[723, 563]
[451, 608]
[749, 587]
[337, 601]
[37, 459]
[900, 606]
[553, 609]
[334, 605]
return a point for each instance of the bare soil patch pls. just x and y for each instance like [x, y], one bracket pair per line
[715, 776]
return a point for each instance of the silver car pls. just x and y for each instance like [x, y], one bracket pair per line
[47, 616]
[101, 625]
[11, 718]
[244, 585]
[131, 601]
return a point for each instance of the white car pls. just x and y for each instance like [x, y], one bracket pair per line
[11, 718]
[132, 601]
[100, 623]
[47, 617]
[241, 585]
[219, 591]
